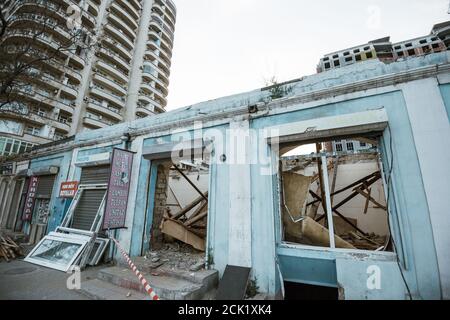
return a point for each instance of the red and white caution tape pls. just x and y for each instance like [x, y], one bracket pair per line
[133, 267]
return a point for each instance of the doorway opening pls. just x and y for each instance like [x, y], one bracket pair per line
[333, 195]
[180, 212]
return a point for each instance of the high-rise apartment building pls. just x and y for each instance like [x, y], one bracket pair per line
[120, 73]
[437, 40]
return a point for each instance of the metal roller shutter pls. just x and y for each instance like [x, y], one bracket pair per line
[90, 200]
[14, 205]
[87, 208]
[95, 175]
[45, 186]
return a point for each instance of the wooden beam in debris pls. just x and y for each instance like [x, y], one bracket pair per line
[338, 213]
[354, 184]
[202, 207]
[369, 198]
[195, 219]
[190, 206]
[180, 232]
[333, 182]
[366, 205]
[320, 235]
[190, 182]
[9, 250]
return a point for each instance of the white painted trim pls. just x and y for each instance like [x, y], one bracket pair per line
[349, 253]
[328, 202]
[240, 214]
[356, 119]
[431, 129]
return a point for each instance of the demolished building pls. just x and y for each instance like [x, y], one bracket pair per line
[284, 218]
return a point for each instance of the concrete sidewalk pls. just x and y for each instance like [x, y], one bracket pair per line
[21, 280]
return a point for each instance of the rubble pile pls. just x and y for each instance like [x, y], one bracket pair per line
[9, 250]
[176, 256]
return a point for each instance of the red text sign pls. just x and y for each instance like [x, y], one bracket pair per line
[68, 189]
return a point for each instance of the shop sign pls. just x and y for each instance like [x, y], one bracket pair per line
[30, 199]
[118, 189]
[68, 189]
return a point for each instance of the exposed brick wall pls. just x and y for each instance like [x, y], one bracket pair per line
[161, 192]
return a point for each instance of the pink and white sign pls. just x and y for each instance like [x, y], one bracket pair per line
[30, 200]
[118, 189]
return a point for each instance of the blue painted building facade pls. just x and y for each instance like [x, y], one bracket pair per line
[244, 221]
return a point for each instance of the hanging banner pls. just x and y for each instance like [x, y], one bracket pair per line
[30, 199]
[118, 189]
[68, 189]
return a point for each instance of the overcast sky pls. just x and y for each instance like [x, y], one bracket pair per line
[224, 47]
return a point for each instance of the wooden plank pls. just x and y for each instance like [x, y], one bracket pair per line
[199, 210]
[338, 213]
[189, 207]
[354, 184]
[366, 206]
[4, 253]
[319, 235]
[333, 183]
[195, 219]
[369, 198]
[180, 232]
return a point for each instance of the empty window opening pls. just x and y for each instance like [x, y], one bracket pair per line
[180, 212]
[300, 291]
[337, 181]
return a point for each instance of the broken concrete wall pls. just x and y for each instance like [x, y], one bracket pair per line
[160, 207]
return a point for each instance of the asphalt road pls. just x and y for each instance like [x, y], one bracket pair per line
[21, 280]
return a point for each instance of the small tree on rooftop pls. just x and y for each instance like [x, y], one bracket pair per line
[277, 90]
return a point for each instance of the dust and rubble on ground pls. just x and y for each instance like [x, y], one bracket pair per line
[176, 256]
